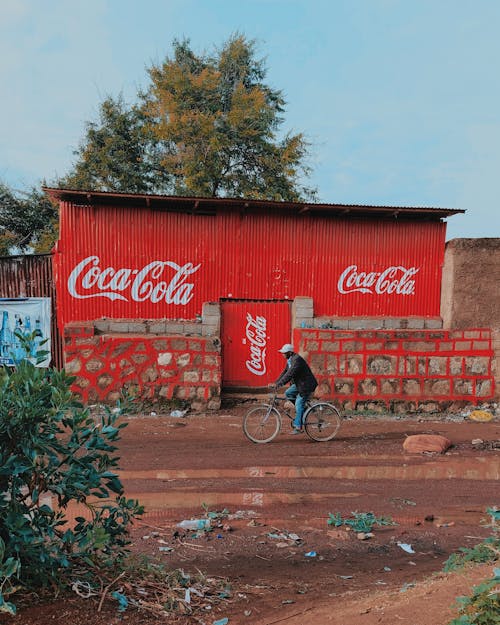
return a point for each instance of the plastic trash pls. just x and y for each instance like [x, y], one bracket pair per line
[406, 547]
[194, 524]
[178, 413]
[481, 415]
[122, 601]
[364, 535]
[222, 621]
[310, 554]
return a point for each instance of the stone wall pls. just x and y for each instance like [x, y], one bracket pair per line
[401, 364]
[148, 366]
[470, 292]
[399, 369]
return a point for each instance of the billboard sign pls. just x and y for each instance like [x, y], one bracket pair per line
[28, 318]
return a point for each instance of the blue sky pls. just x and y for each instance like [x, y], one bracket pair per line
[400, 99]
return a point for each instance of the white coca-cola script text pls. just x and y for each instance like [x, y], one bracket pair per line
[148, 283]
[394, 279]
[256, 335]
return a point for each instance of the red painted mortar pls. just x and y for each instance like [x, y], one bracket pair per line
[151, 367]
[351, 366]
[407, 365]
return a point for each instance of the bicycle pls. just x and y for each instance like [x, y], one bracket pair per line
[321, 420]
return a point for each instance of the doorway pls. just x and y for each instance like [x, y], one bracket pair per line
[252, 333]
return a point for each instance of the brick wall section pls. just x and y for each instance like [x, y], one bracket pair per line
[153, 367]
[397, 367]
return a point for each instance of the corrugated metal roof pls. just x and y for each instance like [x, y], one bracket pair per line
[206, 205]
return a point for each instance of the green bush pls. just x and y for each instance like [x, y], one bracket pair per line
[359, 521]
[53, 451]
[486, 551]
[483, 606]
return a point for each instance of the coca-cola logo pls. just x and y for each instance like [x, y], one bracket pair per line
[394, 279]
[257, 339]
[88, 279]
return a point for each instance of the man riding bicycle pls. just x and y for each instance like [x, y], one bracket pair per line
[303, 381]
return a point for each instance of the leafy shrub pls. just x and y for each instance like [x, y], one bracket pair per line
[481, 553]
[360, 521]
[483, 606]
[52, 454]
[486, 551]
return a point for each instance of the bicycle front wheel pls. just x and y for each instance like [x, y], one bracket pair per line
[322, 422]
[261, 424]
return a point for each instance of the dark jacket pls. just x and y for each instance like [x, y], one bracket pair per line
[299, 373]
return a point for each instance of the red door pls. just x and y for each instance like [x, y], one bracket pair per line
[252, 333]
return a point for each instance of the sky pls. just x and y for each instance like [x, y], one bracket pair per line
[399, 99]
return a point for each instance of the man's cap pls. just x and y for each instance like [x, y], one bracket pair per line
[287, 347]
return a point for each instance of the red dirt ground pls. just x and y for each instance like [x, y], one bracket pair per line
[291, 485]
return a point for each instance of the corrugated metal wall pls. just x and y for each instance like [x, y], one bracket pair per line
[348, 266]
[32, 276]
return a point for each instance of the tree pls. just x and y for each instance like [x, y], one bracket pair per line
[26, 222]
[207, 125]
[118, 153]
[218, 122]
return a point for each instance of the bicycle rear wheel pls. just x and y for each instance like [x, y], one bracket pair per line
[322, 422]
[261, 424]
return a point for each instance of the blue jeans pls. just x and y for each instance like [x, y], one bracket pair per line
[300, 403]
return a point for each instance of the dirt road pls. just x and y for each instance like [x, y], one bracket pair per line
[284, 562]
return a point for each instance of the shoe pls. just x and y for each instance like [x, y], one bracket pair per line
[296, 431]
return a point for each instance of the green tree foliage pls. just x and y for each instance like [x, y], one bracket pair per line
[218, 122]
[119, 153]
[51, 450]
[207, 125]
[27, 221]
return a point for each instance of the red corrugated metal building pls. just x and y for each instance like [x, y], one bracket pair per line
[352, 260]
[139, 258]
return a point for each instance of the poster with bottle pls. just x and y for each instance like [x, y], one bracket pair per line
[24, 330]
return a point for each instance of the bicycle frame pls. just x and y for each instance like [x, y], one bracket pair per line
[257, 421]
[274, 401]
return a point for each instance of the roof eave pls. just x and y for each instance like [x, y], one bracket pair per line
[211, 204]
